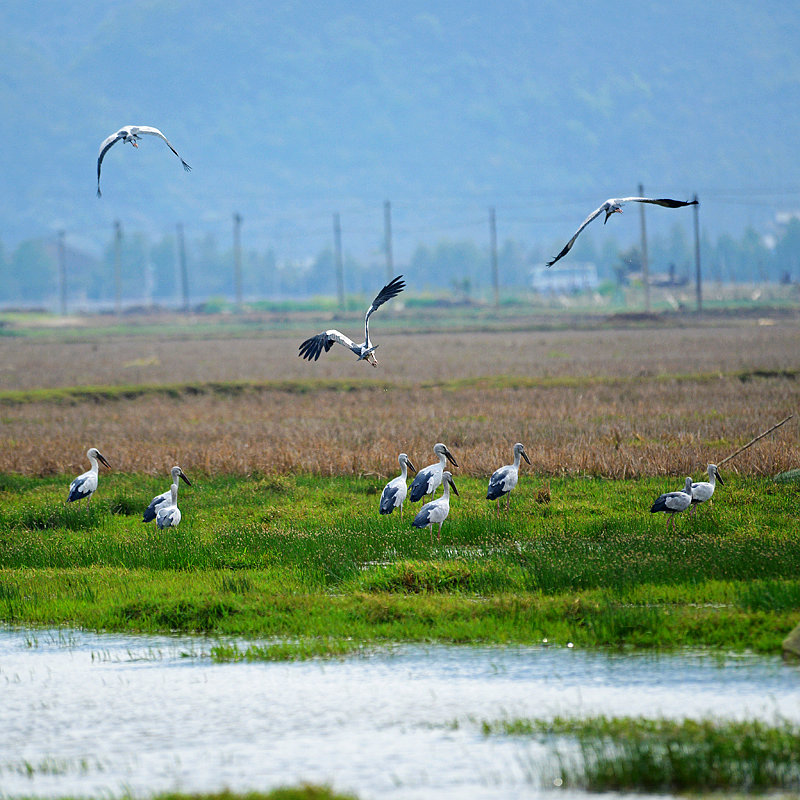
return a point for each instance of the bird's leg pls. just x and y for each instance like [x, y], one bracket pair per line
[430, 528]
[508, 502]
[440, 531]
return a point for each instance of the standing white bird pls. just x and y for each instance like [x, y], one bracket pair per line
[132, 134]
[614, 206]
[394, 493]
[164, 498]
[169, 516]
[438, 509]
[430, 477]
[311, 348]
[674, 502]
[86, 484]
[703, 490]
[503, 480]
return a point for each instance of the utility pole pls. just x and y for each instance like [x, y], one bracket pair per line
[697, 273]
[62, 273]
[237, 259]
[645, 264]
[117, 267]
[183, 269]
[387, 238]
[493, 246]
[337, 249]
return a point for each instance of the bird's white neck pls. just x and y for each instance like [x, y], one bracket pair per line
[95, 465]
[403, 470]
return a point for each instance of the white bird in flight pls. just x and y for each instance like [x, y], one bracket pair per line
[312, 347]
[614, 206]
[132, 134]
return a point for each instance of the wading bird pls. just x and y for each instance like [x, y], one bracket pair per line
[132, 134]
[394, 493]
[614, 206]
[430, 477]
[164, 498]
[86, 484]
[674, 502]
[438, 509]
[503, 480]
[703, 490]
[312, 347]
[169, 516]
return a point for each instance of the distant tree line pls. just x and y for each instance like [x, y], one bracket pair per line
[149, 269]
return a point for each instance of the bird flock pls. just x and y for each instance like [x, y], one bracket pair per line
[164, 507]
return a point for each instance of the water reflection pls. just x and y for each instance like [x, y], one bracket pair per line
[88, 714]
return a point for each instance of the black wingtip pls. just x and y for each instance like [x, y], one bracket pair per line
[186, 166]
[99, 193]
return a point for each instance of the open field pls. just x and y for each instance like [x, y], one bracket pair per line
[613, 401]
[411, 351]
[281, 534]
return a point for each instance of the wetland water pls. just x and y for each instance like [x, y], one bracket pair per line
[97, 714]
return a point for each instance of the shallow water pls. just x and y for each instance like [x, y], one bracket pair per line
[98, 714]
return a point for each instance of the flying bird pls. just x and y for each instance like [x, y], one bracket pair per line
[311, 348]
[163, 499]
[503, 480]
[614, 206]
[703, 490]
[86, 484]
[674, 502]
[438, 509]
[430, 477]
[132, 134]
[169, 515]
[394, 493]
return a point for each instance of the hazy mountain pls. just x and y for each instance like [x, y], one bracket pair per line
[288, 111]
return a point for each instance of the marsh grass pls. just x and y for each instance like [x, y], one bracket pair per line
[661, 755]
[308, 557]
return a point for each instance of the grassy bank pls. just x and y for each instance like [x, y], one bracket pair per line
[625, 754]
[310, 560]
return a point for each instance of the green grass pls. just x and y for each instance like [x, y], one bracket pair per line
[309, 560]
[661, 755]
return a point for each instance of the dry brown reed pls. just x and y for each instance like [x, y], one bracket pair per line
[618, 429]
[635, 421]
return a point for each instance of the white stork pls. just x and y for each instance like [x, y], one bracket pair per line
[169, 515]
[311, 348]
[438, 509]
[503, 480]
[430, 477]
[674, 502]
[164, 498]
[394, 493]
[614, 206]
[132, 134]
[703, 490]
[86, 484]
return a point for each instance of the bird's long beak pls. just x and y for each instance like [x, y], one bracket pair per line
[100, 458]
[719, 478]
[609, 213]
[185, 479]
[134, 144]
[451, 459]
[411, 466]
[452, 483]
[525, 456]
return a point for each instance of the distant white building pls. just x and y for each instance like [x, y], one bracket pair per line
[565, 278]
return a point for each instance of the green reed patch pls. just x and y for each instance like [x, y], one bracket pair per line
[661, 755]
[290, 650]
